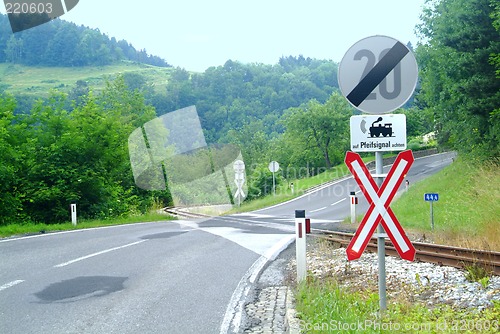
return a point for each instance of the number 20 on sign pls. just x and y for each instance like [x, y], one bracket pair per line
[378, 74]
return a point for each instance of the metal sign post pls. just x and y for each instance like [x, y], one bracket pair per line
[274, 167]
[431, 197]
[382, 286]
[377, 75]
[379, 194]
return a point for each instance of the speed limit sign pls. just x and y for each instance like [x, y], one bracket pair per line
[378, 74]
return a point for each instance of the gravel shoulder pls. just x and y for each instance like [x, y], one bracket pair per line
[270, 309]
[426, 283]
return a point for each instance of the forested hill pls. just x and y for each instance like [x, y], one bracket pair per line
[248, 97]
[61, 43]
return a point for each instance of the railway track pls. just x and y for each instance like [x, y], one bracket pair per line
[439, 254]
[179, 212]
[443, 255]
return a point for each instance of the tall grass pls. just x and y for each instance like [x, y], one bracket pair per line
[468, 209]
[326, 307]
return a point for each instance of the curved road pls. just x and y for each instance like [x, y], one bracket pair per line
[170, 277]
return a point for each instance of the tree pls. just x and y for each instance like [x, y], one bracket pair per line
[320, 129]
[458, 81]
[61, 157]
[10, 202]
[62, 48]
[61, 43]
[14, 50]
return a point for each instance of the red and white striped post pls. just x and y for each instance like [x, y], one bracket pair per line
[354, 201]
[300, 244]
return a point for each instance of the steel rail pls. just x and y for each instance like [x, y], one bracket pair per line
[178, 212]
[442, 255]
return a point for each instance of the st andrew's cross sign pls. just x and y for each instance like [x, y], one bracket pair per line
[379, 210]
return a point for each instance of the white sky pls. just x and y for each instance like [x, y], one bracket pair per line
[197, 34]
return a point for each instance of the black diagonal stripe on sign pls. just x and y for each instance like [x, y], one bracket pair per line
[377, 74]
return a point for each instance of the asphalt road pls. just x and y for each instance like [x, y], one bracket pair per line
[168, 277]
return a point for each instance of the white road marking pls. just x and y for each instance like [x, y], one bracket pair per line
[343, 199]
[96, 254]
[323, 208]
[10, 285]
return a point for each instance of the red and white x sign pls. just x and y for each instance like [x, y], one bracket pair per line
[379, 210]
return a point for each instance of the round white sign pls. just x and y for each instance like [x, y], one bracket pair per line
[274, 166]
[239, 166]
[378, 74]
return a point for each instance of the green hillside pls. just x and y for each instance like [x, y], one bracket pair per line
[467, 211]
[38, 81]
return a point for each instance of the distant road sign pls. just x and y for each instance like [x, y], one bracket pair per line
[274, 166]
[431, 197]
[374, 133]
[378, 74]
[239, 179]
[239, 166]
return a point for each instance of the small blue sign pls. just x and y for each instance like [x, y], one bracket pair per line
[431, 197]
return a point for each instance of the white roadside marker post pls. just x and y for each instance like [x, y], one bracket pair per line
[73, 214]
[354, 201]
[300, 244]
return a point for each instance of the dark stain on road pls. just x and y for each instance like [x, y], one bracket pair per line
[79, 288]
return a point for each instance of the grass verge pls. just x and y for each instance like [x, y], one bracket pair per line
[326, 307]
[468, 207]
[26, 229]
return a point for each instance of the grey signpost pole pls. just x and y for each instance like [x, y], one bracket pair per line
[432, 218]
[382, 290]
[274, 185]
[274, 166]
[431, 197]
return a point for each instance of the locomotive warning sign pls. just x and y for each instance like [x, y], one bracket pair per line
[375, 133]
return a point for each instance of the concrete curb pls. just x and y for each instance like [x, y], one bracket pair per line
[291, 322]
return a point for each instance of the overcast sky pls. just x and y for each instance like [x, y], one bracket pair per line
[197, 34]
